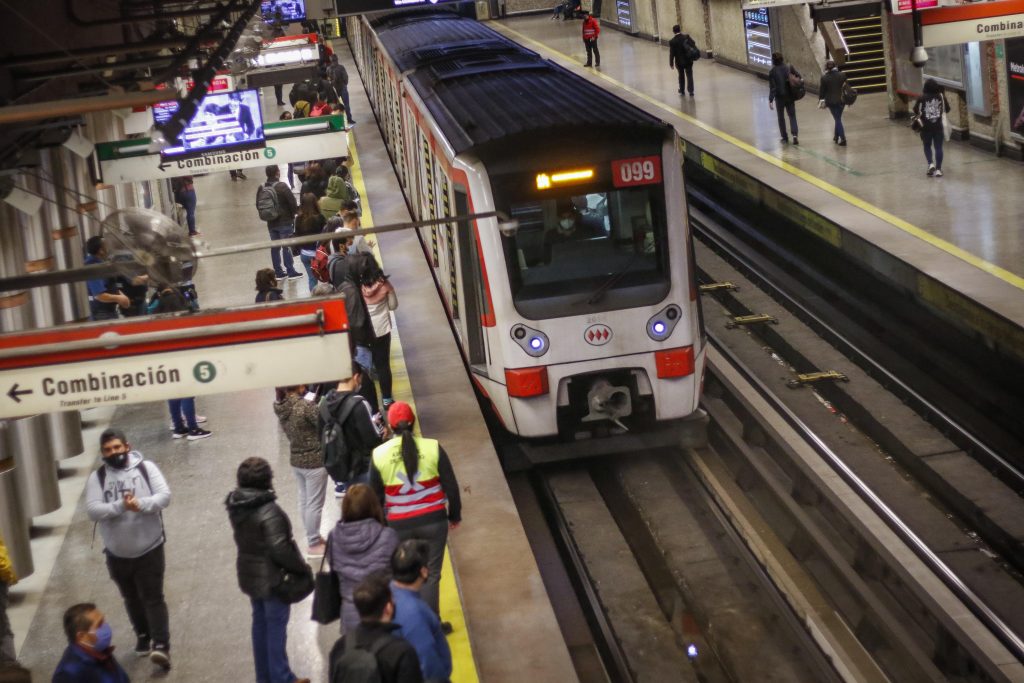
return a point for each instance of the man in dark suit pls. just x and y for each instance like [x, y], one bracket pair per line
[680, 56]
[242, 114]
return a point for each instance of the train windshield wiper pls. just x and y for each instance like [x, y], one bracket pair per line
[612, 280]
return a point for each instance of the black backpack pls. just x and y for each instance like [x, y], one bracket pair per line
[692, 51]
[357, 665]
[334, 447]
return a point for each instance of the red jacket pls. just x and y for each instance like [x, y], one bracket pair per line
[591, 28]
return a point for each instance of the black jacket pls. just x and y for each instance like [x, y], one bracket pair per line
[831, 87]
[678, 55]
[263, 535]
[930, 108]
[361, 434]
[360, 326]
[778, 83]
[397, 660]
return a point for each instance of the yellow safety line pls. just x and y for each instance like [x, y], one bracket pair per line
[896, 221]
[463, 666]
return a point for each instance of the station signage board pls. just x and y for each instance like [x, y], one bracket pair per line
[974, 22]
[129, 161]
[347, 7]
[196, 354]
[1014, 51]
[904, 6]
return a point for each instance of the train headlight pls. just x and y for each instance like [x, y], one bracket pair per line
[534, 342]
[662, 323]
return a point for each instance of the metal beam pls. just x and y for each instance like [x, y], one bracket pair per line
[36, 111]
[94, 52]
[154, 16]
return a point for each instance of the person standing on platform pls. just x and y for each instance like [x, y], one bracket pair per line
[830, 93]
[126, 497]
[89, 656]
[299, 419]
[780, 98]
[930, 108]
[591, 30]
[276, 205]
[362, 430]
[680, 56]
[417, 623]
[104, 295]
[266, 552]
[376, 634]
[414, 478]
[338, 77]
[309, 221]
[185, 194]
[380, 299]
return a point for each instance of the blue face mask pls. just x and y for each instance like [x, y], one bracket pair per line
[104, 635]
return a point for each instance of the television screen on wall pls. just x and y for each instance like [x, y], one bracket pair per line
[223, 121]
[291, 10]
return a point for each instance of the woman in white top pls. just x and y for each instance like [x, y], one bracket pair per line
[380, 300]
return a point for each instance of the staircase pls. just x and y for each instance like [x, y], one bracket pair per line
[865, 63]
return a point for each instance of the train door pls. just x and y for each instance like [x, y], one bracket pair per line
[476, 309]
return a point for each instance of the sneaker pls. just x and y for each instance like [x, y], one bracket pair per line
[198, 433]
[339, 489]
[242, 176]
[143, 646]
[316, 550]
[281, 276]
[835, 138]
[161, 656]
[180, 433]
[280, 104]
[796, 140]
[351, 122]
[387, 404]
[931, 169]
[938, 173]
[295, 276]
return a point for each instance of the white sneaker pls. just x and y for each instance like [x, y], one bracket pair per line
[931, 169]
[938, 173]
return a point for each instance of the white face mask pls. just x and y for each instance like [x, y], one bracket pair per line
[566, 224]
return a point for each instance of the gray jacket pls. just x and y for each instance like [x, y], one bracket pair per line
[357, 550]
[125, 533]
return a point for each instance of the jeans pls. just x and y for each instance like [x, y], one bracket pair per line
[782, 108]
[307, 264]
[436, 536]
[837, 114]
[381, 350]
[141, 582]
[282, 232]
[685, 72]
[312, 489]
[929, 138]
[183, 413]
[270, 640]
[348, 107]
[7, 653]
[592, 51]
[187, 198]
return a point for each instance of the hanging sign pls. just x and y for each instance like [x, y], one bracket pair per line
[324, 137]
[162, 357]
[974, 22]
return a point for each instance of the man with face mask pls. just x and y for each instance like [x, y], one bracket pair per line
[89, 655]
[125, 497]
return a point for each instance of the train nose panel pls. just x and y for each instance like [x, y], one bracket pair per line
[608, 402]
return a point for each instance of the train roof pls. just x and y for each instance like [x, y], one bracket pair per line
[489, 94]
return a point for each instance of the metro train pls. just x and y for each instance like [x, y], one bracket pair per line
[580, 316]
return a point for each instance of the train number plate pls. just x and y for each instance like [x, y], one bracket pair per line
[636, 171]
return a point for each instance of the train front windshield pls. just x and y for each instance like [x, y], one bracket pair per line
[587, 250]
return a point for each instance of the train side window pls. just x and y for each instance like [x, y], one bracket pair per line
[472, 284]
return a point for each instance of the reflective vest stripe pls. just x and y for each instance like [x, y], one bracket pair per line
[405, 498]
[394, 494]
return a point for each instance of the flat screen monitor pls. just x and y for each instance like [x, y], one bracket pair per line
[223, 121]
[291, 10]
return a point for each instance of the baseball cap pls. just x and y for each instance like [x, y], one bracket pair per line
[400, 412]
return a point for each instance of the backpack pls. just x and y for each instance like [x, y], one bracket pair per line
[795, 85]
[692, 51]
[268, 203]
[320, 109]
[357, 665]
[849, 94]
[333, 445]
[320, 265]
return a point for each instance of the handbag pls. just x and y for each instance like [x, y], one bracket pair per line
[326, 592]
[849, 94]
[294, 586]
[916, 124]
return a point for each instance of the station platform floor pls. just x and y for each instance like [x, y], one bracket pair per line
[963, 229]
[210, 617]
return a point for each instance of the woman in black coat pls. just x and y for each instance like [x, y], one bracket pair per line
[271, 570]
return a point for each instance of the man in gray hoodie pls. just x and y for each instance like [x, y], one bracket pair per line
[125, 497]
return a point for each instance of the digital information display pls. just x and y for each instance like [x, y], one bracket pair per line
[346, 7]
[223, 121]
[291, 10]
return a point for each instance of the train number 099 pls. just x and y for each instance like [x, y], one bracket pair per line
[636, 171]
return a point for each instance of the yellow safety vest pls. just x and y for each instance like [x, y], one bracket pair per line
[406, 497]
[7, 574]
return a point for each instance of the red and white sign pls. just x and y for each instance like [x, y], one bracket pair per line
[974, 22]
[904, 6]
[162, 357]
[636, 171]
[598, 335]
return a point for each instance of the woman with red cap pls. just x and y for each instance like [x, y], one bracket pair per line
[414, 478]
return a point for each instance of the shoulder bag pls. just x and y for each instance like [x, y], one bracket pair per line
[326, 592]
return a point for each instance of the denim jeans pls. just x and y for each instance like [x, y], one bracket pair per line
[436, 536]
[307, 264]
[348, 107]
[929, 138]
[781, 109]
[312, 489]
[837, 114]
[141, 582]
[183, 413]
[270, 640]
[282, 232]
[7, 653]
[187, 198]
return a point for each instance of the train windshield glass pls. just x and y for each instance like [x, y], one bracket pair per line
[582, 253]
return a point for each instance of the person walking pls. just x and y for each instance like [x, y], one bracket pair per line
[309, 221]
[347, 275]
[929, 109]
[125, 497]
[185, 194]
[591, 30]
[276, 205]
[416, 622]
[830, 93]
[680, 56]
[8, 656]
[361, 544]
[362, 429]
[299, 419]
[780, 96]
[89, 656]
[376, 633]
[267, 554]
[338, 77]
[414, 478]
[380, 299]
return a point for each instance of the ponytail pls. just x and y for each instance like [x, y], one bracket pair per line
[410, 454]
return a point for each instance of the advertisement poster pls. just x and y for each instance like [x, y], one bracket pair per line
[1015, 84]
